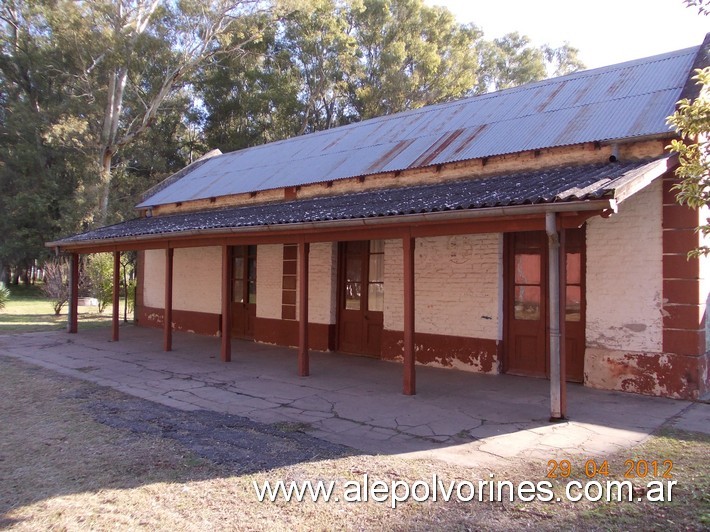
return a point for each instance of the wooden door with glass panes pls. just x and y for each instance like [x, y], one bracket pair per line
[361, 297]
[526, 313]
[243, 291]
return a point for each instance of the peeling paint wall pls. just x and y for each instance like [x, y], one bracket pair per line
[457, 283]
[665, 375]
[196, 279]
[625, 276]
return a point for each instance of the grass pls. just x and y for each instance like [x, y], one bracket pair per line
[28, 310]
[63, 470]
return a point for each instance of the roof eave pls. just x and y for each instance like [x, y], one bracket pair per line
[600, 205]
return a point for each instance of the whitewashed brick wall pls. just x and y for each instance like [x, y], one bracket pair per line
[322, 279]
[197, 274]
[269, 280]
[625, 275]
[458, 288]
[154, 278]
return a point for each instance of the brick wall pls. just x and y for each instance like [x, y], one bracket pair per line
[458, 289]
[645, 299]
[154, 278]
[196, 279]
[624, 276]
[322, 279]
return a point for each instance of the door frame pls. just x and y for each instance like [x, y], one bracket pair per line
[340, 297]
[243, 331]
[508, 286]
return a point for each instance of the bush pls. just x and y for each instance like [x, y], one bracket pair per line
[99, 273]
[56, 283]
[4, 296]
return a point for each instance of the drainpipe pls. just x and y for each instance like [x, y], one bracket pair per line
[553, 262]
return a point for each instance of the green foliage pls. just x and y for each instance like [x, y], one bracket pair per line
[692, 122]
[99, 101]
[131, 295]
[99, 277]
[332, 62]
[4, 296]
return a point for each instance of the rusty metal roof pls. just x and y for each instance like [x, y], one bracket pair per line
[621, 101]
[554, 185]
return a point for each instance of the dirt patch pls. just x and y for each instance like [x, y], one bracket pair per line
[244, 446]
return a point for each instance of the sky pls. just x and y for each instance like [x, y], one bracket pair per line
[605, 31]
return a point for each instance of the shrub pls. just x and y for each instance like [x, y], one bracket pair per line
[99, 273]
[56, 283]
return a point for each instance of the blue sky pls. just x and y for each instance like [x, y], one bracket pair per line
[605, 31]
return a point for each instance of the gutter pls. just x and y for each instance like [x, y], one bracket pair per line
[553, 268]
[608, 205]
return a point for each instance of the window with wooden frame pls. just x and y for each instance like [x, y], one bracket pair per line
[289, 282]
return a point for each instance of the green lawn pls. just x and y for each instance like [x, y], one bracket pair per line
[28, 310]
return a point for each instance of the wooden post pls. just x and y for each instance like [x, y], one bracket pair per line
[168, 314]
[303, 362]
[563, 319]
[227, 266]
[409, 350]
[73, 322]
[116, 291]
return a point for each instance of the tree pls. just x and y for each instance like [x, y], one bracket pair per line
[321, 47]
[121, 60]
[692, 122]
[412, 55]
[4, 296]
[252, 98]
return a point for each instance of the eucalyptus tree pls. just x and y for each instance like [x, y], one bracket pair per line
[412, 55]
[121, 60]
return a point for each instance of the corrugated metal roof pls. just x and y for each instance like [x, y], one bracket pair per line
[592, 181]
[622, 101]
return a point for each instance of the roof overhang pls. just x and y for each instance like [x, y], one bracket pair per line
[491, 219]
[589, 197]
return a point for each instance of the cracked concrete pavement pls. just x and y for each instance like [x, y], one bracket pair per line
[456, 416]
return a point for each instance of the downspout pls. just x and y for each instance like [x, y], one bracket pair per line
[553, 262]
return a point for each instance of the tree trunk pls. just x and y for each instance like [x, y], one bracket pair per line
[105, 186]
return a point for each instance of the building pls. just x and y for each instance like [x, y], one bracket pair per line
[476, 235]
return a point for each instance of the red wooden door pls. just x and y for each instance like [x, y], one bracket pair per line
[243, 291]
[361, 297]
[526, 314]
[526, 276]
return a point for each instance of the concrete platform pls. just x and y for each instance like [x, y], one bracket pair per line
[456, 416]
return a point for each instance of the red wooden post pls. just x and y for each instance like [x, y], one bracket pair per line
[116, 290]
[168, 314]
[73, 323]
[563, 318]
[227, 265]
[303, 362]
[409, 354]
